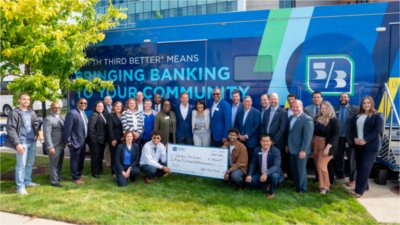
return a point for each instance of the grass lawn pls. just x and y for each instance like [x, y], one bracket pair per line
[176, 199]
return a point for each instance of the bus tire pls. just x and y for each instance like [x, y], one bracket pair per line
[7, 110]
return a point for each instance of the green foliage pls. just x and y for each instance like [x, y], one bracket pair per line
[50, 38]
[176, 199]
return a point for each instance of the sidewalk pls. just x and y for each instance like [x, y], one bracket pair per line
[14, 219]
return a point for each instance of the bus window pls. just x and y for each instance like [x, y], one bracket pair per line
[245, 68]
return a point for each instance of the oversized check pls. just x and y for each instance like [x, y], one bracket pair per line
[198, 161]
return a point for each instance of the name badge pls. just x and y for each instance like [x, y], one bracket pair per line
[260, 153]
[347, 145]
[216, 109]
[167, 118]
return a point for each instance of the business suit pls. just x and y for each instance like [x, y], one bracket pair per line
[53, 126]
[115, 132]
[274, 171]
[235, 109]
[249, 127]
[166, 124]
[97, 136]
[119, 165]
[346, 144]
[75, 132]
[220, 122]
[299, 139]
[238, 162]
[366, 154]
[184, 133]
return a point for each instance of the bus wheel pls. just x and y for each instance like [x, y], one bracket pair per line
[7, 110]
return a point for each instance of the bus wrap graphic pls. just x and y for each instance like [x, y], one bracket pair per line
[330, 74]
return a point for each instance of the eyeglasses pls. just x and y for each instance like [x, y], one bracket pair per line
[156, 138]
[83, 103]
[215, 94]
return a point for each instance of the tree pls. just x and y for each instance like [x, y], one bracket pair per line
[49, 39]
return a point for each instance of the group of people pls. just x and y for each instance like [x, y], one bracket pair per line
[263, 144]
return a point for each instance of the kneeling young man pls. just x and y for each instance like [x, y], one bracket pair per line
[265, 167]
[238, 159]
[154, 158]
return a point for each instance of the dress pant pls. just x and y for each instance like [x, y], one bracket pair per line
[321, 162]
[96, 158]
[112, 154]
[152, 171]
[299, 172]
[340, 162]
[122, 181]
[285, 164]
[185, 140]
[56, 162]
[365, 159]
[272, 181]
[202, 140]
[76, 160]
[107, 154]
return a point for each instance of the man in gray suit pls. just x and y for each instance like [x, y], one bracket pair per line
[300, 133]
[53, 126]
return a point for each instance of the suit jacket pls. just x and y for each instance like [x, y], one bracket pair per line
[240, 106]
[114, 127]
[332, 135]
[53, 131]
[97, 128]
[184, 126]
[206, 115]
[351, 112]
[373, 127]
[277, 129]
[220, 120]
[300, 136]
[119, 157]
[74, 129]
[162, 123]
[154, 107]
[239, 157]
[250, 126]
[273, 162]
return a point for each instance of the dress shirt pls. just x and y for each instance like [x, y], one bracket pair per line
[153, 157]
[214, 107]
[293, 120]
[342, 120]
[184, 110]
[231, 147]
[264, 166]
[234, 112]
[271, 116]
[246, 112]
[85, 119]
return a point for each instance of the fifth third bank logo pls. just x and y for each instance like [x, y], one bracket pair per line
[330, 75]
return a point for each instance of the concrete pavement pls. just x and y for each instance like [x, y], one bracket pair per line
[13, 219]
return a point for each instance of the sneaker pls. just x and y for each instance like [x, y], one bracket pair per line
[32, 184]
[323, 191]
[22, 191]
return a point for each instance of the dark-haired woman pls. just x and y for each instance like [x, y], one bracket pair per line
[126, 166]
[97, 135]
[115, 130]
[366, 129]
[201, 124]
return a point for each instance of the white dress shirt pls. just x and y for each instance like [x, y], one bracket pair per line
[152, 157]
[184, 110]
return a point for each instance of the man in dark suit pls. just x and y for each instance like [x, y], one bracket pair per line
[265, 167]
[157, 103]
[220, 119]
[247, 122]
[264, 101]
[274, 124]
[345, 113]
[301, 129]
[236, 105]
[183, 114]
[53, 126]
[75, 133]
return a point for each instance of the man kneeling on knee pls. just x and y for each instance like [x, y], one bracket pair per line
[154, 158]
[265, 167]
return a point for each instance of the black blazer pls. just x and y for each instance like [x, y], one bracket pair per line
[114, 127]
[332, 135]
[119, 157]
[273, 162]
[97, 128]
[278, 126]
[373, 128]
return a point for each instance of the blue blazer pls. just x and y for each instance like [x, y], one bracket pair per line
[273, 162]
[250, 126]
[184, 126]
[277, 129]
[373, 127]
[300, 136]
[119, 157]
[74, 129]
[220, 120]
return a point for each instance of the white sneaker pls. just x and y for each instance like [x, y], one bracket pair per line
[32, 184]
[22, 191]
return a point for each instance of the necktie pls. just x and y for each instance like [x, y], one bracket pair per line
[85, 120]
[316, 111]
[342, 119]
[271, 116]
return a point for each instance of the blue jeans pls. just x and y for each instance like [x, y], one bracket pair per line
[23, 167]
[237, 178]
[151, 171]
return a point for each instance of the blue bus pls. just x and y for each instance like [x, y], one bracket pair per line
[331, 49]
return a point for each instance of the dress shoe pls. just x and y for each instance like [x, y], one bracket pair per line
[147, 181]
[97, 176]
[79, 182]
[271, 196]
[350, 183]
[356, 195]
[56, 185]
